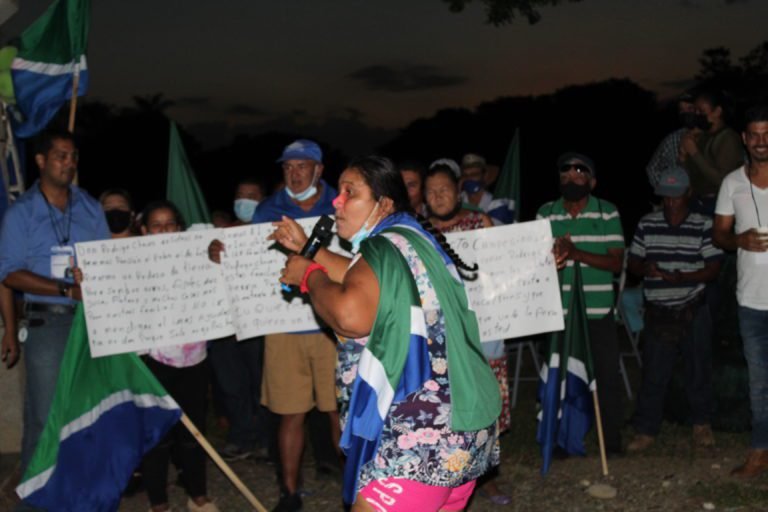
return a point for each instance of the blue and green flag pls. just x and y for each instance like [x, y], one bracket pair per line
[566, 383]
[51, 52]
[106, 414]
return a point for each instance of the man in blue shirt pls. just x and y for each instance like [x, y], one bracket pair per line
[37, 255]
[299, 368]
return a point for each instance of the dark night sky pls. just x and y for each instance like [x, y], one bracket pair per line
[355, 71]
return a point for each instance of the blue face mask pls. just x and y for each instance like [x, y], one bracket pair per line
[472, 186]
[364, 232]
[306, 193]
[244, 209]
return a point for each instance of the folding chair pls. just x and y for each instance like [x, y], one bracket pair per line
[629, 312]
[517, 347]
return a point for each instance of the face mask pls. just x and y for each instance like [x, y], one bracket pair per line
[363, 232]
[574, 192]
[693, 120]
[703, 123]
[689, 120]
[118, 220]
[244, 209]
[306, 193]
[472, 186]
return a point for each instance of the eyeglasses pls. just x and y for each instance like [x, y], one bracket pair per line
[579, 168]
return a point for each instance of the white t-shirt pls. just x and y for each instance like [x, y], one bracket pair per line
[736, 200]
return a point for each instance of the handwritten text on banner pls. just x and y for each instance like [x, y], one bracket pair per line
[151, 291]
[516, 293]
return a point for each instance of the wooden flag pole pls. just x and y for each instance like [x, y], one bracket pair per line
[600, 438]
[222, 465]
[73, 100]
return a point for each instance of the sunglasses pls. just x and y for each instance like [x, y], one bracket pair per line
[579, 168]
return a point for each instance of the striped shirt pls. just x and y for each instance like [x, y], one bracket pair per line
[686, 247]
[596, 229]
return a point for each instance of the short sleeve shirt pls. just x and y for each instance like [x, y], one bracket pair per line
[738, 198]
[33, 231]
[596, 229]
[686, 247]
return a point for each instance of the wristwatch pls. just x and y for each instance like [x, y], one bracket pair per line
[63, 288]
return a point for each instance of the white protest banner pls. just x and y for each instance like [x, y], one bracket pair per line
[251, 266]
[516, 292]
[152, 291]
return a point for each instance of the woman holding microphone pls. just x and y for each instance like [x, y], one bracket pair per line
[419, 402]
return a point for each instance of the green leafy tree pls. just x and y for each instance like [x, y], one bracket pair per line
[503, 12]
[744, 80]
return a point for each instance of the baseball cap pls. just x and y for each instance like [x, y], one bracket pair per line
[571, 157]
[448, 162]
[302, 149]
[471, 160]
[673, 182]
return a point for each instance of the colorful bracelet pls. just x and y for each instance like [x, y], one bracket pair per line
[304, 288]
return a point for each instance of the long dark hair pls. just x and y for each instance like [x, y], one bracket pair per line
[385, 180]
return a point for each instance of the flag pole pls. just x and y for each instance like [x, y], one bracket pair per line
[73, 106]
[222, 465]
[73, 99]
[600, 438]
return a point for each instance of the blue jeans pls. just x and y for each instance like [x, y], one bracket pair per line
[753, 324]
[659, 359]
[43, 352]
[238, 367]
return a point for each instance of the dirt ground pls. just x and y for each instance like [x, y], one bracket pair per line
[671, 476]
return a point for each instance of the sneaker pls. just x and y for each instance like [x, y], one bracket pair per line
[640, 443]
[756, 464]
[703, 436]
[288, 503]
[232, 452]
[208, 506]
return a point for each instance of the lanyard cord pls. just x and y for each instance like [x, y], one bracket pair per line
[64, 238]
[752, 192]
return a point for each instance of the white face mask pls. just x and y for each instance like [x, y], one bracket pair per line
[244, 209]
[306, 193]
[364, 231]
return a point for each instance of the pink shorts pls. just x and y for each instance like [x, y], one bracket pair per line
[403, 495]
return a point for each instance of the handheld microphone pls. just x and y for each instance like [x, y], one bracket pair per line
[320, 235]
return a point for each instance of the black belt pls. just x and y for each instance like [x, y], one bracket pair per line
[46, 307]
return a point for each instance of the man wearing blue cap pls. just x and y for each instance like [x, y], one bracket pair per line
[299, 368]
[673, 252]
[305, 194]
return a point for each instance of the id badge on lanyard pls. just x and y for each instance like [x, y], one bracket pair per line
[62, 261]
